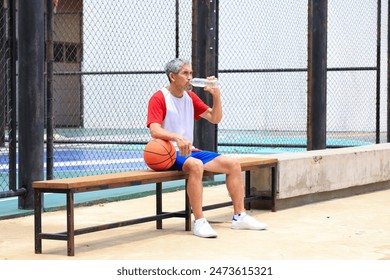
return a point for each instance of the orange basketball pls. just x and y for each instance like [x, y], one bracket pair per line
[159, 154]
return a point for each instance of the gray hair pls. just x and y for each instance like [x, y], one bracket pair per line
[175, 65]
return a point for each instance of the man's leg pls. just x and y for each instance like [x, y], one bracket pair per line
[194, 185]
[231, 167]
[195, 194]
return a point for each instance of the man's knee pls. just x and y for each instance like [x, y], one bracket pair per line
[194, 166]
[234, 166]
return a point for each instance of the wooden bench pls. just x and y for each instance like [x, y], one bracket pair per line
[70, 186]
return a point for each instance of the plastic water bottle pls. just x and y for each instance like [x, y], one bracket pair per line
[201, 82]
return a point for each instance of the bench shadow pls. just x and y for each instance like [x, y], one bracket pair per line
[126, 235]
[118, 236]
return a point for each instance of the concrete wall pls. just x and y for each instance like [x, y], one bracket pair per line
[312, 176]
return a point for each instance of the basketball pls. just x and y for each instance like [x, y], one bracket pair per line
[159, 154]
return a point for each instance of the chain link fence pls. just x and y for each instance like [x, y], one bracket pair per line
[5, 92]
[108, 58]
[352, 72]
[263, 71]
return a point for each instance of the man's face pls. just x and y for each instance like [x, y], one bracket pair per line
[184, 76]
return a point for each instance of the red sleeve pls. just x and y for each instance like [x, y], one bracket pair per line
[156, 109]
[199, 106]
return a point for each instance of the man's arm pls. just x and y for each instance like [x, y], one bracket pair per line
[214, 114]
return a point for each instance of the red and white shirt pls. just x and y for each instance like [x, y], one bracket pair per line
[176, 115]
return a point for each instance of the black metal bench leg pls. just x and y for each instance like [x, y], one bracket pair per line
[70, 222]
[248, 188]
[158, 204]
[187, 210]
[38, 221]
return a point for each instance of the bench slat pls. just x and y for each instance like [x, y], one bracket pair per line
[106, 179]
[113, 180]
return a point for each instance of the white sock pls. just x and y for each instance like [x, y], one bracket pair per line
[238, 216]
[199, 220]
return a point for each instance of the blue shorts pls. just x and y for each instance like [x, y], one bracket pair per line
[204, 156]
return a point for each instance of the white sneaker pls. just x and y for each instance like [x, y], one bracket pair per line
[203, 229]
[245, 221]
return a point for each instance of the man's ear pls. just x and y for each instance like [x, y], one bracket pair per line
[172, 76]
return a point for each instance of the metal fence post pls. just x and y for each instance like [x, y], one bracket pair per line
[13, 99]
[317, 69]
[378, 72]
[388, 75]
[204, 63]
[31, 97]
[49, 92]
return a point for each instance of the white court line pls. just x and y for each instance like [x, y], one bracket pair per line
[82, 163]
[15, 197]
[97, 162]
[8, 199]
[78, 163]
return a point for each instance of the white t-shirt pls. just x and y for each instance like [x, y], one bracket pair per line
[176, 114]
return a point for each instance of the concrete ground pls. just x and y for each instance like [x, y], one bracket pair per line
[352, 228]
